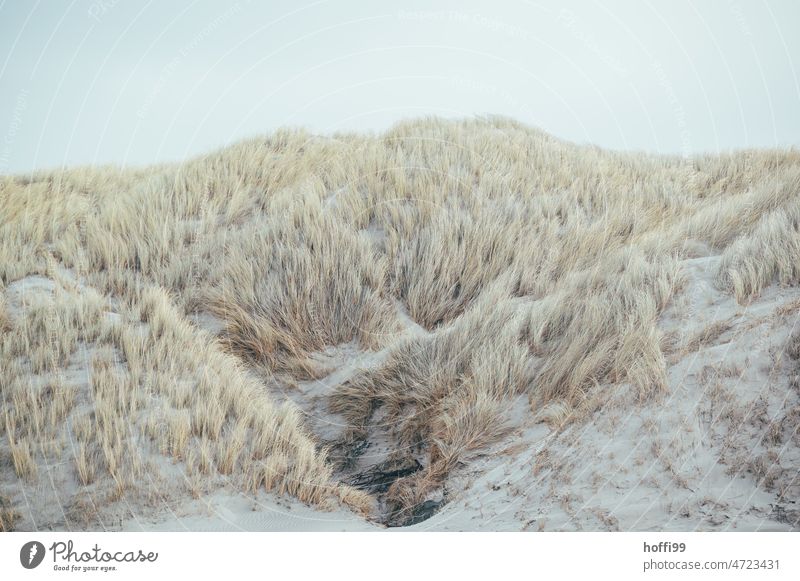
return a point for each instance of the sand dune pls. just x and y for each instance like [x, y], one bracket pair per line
[465, 325]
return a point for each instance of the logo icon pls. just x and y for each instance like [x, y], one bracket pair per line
[31, 554]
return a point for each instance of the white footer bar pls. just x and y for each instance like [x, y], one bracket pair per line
[386, 556]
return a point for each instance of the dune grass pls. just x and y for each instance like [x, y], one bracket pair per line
[530, 267]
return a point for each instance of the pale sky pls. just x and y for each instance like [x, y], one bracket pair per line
[135, 82]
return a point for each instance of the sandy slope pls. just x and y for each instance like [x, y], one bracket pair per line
[526, 333]
[690, 461]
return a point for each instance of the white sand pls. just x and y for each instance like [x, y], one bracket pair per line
[715, 453]
[679, 463]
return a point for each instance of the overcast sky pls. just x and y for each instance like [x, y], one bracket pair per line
[134, 82]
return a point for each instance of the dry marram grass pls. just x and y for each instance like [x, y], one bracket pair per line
[482, 260]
